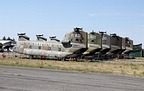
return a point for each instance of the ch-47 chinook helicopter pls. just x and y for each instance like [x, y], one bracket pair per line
[73, 45]
[94, 45]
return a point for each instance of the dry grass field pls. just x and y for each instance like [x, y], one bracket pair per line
[132, 67]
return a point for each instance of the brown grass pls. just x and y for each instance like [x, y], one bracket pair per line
[126, 68]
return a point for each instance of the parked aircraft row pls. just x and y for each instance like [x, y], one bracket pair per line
[76, 44]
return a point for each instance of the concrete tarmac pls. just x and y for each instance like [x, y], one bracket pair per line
[33, 79]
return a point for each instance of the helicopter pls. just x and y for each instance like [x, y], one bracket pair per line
[72, 46]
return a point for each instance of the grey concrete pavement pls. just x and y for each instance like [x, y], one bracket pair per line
[33, 79]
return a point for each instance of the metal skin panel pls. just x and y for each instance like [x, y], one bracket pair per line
[123, 43]
[46, 53]
[120, 42]
[105, 41]
[137, 47]
[129, 45]
[94, 38]
[94, 43]
[116, 43]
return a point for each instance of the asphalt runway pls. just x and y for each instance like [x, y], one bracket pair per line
[33, 79]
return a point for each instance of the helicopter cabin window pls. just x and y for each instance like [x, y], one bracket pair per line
[59, 49]
[39, 47]
[92, 40]
[78, 35]
[77, 39]
[49, 48]
[30, 47]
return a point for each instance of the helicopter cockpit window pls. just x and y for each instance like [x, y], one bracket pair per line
[67, 44]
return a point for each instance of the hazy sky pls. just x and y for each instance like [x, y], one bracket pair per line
[56, 17]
